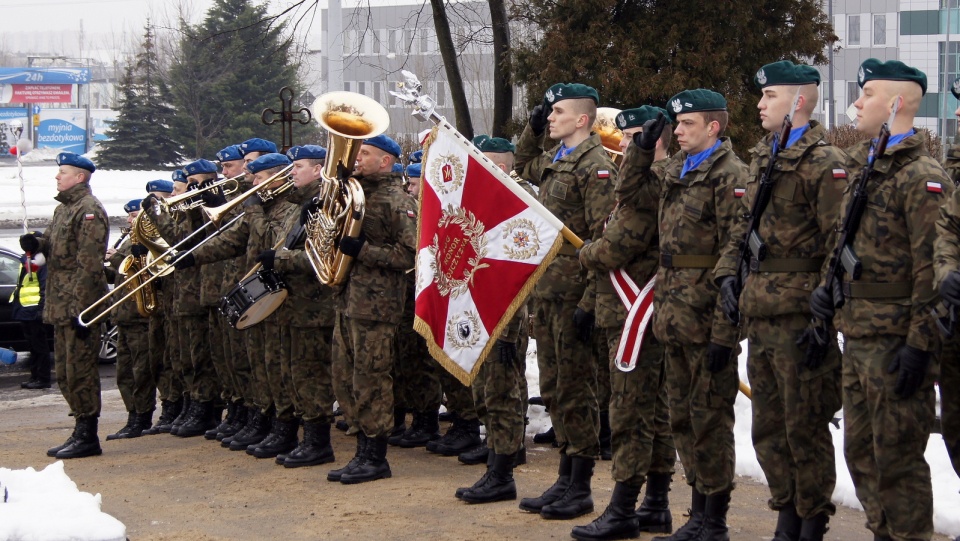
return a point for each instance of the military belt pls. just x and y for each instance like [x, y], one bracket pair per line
[877, 290]
[786, 264]
[671, 261]
[567, 249]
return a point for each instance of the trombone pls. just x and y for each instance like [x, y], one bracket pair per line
[216, 215]
[193, 198]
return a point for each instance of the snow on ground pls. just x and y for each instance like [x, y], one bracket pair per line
[46, 505]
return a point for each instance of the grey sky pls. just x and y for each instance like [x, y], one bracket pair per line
[99, 16]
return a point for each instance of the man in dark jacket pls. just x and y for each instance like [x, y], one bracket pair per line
[27, 308]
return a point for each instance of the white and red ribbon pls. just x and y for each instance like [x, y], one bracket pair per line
[639, 304]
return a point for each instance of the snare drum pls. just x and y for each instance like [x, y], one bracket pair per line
[254, 299]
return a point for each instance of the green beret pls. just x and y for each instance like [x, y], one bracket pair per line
[569, 91]
[695, 101]
[891, 70]
[548, 95]
[496, 144]
[955, 88]
[785, 72]
[636, 118]
[479, 139]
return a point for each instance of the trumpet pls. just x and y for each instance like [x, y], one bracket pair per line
[262, 190]
[194, 198]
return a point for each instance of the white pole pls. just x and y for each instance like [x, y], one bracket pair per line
[946, 84]
[17, 128]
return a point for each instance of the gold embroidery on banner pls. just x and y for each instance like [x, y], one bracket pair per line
[523, 242]
[446, 173]
[463, 331]
[448, 263]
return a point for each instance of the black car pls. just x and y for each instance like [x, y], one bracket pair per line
[11, 332]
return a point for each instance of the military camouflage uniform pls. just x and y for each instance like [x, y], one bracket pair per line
[211, 291]
[75, 245]
[235, 342]
[696, 213]
[639, 419]
[946, 259]
[370, 306]
[792, 406]
[416, 380]
[162, 343]
[135, 377]
[577, 189]
[885, 436]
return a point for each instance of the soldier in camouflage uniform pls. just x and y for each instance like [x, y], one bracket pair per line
[74, 246]
[697, 208]
[576, 180]
[642, 446]
[795, 382]
[890, 336]
[369, 308]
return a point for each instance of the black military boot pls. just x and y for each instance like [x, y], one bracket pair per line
[521, 457]
[52, 452]
[273, 430]
[552, 494]
[399, 426]
[690, 530]
[462, 436]
[425, 428]
[259, 428]
[498, 485]
[239, 421]
[715, 518]
[373, 466]
[245, 430]
[284, 442]
[788, 524]
[546, 437]
[606, 448]
[187, 411]
[813, 529]
[146, 422]
[474, 456]
[315, 449]
[203, 419]
[168, 412]
[654, 513]
[483, 478]
[362, 442]
[124, 432]
[576, 500]
[618, 521]
[227, 422]
[86, 443]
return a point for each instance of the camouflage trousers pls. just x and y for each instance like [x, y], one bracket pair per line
[459, 396]
[308, 352]
[701, 416]
[195, 352]
[416, 375]
[363, 355]
[135, 379]
[950, 398]
[169, 383]
[277, 367]
[601, 352]
[792, 410]
[256, 352]
[568, 379]
[77, 364]
[238, 365]
[499, 404]
[218, 352]
[884, 439]
[639, 416]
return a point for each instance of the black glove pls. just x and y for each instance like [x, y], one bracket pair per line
[582, 246]
[717, 357]
[729, 298]
[206, 183]
[139, 250]
[821, 304]
[912, 364]
[213, 198]
[184, 261]
[83, 332]
[266, 258]
[29, 243]
[538, 119]
[351, 246]
[815, 353]
[148, 202]
[583, 321]
[508, 352]
[307, 208]
[949, 288]
[647, 139]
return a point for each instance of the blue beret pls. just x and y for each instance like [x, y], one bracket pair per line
[636, 118]
[163, 186]
[199, 167]
[695, 101]
[307, 152]
[268, 161]
[786, 72]
[416, 157]
[564, 91]
[397, 168]
[891, 70]
[132, 205]
[231, 153]
[955, 88]
[415, 170]
[496, 145]
[178, 175]
[257, 145]
[76, 160]
[385, 144]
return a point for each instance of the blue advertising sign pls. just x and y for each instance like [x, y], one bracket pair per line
[63, 129]
[45, 76]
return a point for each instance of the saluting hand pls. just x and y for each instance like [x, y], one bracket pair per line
[538, 119]
[648, 137]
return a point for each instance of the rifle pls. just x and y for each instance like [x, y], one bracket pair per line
[752, 244]
[844, 259]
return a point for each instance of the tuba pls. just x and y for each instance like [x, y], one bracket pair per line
[145, 233]
[610, 135]
[349, 118]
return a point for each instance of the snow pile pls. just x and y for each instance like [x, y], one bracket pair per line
[47, 506]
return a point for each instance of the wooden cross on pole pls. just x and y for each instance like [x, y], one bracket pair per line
[286, 117]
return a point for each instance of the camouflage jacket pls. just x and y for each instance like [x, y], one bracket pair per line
[375, 288]
[952, 163]
[809, 179]
[695, 217]
[74, 245]
[628, 242]
[579, 190]
[310, 303]
[232, 271]
[895, 242]
[174, 227]
[127, 311]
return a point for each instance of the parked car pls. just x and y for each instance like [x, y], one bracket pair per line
[11, 332]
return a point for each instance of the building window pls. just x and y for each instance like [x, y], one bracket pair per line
[362, 88]
[349, 42]
[347, 86]
[853, 92]
[378, 91]
[879, 29]
[944, 4]
[410, 42]
[441, 96]
[853, 30]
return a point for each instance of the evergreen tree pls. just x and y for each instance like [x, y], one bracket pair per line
[140, 137]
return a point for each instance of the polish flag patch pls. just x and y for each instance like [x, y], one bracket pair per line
[739, 192]
[411, 214]
[88, 216]
[603, 173]
[839, 173]
[934, 187]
